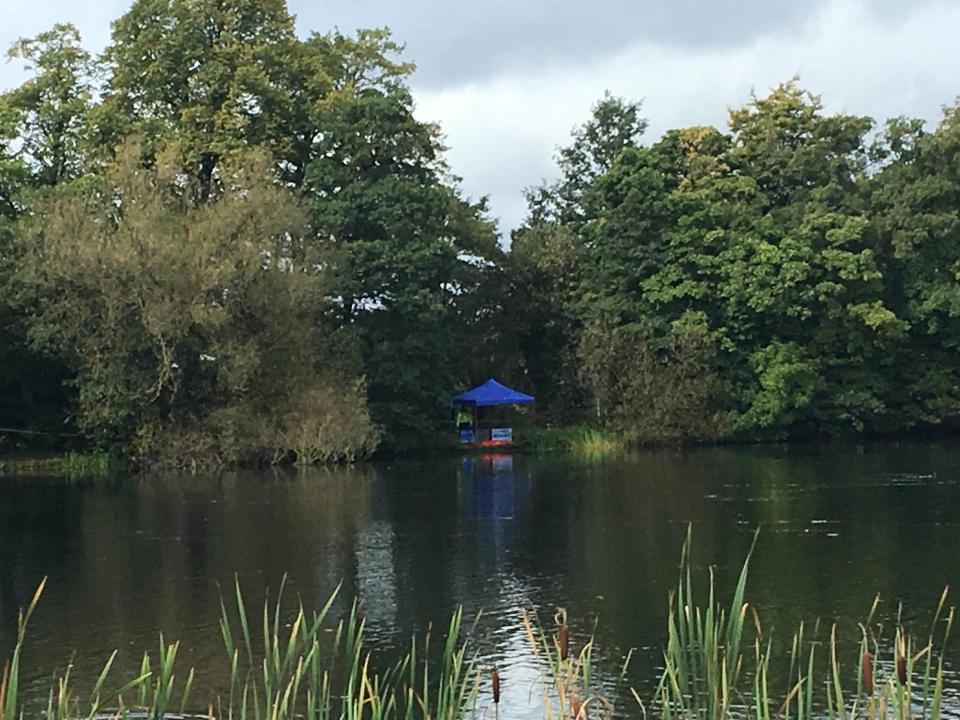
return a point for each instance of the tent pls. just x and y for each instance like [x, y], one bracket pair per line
[492, 393]
[489, 394]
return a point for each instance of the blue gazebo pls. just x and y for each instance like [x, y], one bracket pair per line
[489, 394]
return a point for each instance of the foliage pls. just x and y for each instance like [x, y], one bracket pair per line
[652, 395]
[543, 269]
[43, 126]
[187, 322]
[52, 107]
[407, 253]
[783, 279]
[286, 670]
[546, 259]
[794, 274]
[386, 265]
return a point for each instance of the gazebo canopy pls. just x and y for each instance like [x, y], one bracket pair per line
[492, 393]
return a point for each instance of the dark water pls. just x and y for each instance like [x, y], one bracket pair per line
[128, 558]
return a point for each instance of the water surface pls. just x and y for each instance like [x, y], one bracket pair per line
[127, 558]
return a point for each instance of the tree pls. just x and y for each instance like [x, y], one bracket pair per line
[761, 241]
[614, 125]
[543, 270]
[43, 143]
[192, 331]
[335, 115]
[406, 246]
[810, 273]
[215, 78]
[915, 202]
[547, 253]
[52, 108]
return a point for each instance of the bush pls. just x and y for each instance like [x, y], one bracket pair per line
[193, 326]
[653, 392]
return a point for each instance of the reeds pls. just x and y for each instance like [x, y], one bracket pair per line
[292, 670]
[704, 658]
[597, 444]
[591, 443]
[710, 674]
[718, 664]
[570, 688]
[85, 465]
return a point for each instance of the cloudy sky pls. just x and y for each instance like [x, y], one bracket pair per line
[508, 79]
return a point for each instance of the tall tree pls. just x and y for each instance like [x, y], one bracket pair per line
[546, 255]
[761, 241]
[407, 245]
[615, 124]
[810, 275]
[52, 108]
[214, 77]
[44, 127]
[915, 200]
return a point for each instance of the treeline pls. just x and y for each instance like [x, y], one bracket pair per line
[223, 243]
[796, 275]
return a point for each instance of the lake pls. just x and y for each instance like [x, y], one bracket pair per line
[130, 557]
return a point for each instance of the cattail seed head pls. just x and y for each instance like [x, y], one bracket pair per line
[563, 642]
[902, 659]
[575, 707]
[866, 666]
[495, 682]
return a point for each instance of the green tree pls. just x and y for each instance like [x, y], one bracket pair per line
[762, 240]
[810, 273]
[615, 124]
[648, 352]
[218, 78]
[546, 256]
[915, 200]
[543, 268]
[408, 251]
[215, 78]
[43, 142]
[52, 108]
[192, 330]
[334, 113]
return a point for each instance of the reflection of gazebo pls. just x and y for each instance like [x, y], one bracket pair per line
[489, 394]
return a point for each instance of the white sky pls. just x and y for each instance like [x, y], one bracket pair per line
[508, 81]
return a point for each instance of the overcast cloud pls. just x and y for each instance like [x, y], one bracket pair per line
[508, 80]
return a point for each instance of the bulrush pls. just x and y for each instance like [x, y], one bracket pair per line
[563, 633]
[563, 642]
[495, 683]
[575, 707]
[867, 668]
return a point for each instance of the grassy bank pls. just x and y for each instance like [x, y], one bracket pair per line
[579, 440]
[718, 663]
[71, 465]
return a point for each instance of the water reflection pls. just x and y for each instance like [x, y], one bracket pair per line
[496, 490]
[497, 532]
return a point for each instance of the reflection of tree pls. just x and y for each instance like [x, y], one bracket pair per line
[127, 560]
[413, 539]
[38, 521]
[376, 576]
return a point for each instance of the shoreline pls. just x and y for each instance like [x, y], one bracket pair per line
[573, 441]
